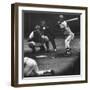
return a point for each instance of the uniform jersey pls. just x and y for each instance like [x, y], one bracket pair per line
[63, 24]
[35, 36]
[67, 31]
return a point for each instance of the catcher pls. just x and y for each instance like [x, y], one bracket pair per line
[36, 39]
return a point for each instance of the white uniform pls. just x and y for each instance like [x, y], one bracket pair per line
[31, 67]
[68, 32]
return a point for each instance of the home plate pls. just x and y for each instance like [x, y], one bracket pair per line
[41, 56]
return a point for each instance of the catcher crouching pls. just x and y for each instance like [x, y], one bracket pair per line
[37, 39]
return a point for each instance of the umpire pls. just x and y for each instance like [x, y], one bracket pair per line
[47, 32]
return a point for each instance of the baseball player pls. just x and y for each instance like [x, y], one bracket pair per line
[67, 32]
[46, 31]
[36, 38]
[31, 68]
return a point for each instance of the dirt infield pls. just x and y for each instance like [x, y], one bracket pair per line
[61, 64]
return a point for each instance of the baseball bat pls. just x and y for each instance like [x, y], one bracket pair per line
[73, 19]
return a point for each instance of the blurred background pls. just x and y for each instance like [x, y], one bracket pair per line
[32, 18]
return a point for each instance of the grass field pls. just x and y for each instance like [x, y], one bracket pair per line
[61, 64]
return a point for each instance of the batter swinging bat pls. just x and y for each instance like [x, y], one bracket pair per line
[73, 19]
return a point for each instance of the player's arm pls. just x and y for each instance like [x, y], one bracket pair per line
[31, 36]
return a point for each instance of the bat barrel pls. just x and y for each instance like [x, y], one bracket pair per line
[73, 19]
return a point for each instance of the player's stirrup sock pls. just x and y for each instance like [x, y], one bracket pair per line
[68, 49]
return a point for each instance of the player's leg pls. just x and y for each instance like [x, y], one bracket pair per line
[42, 48]
[46, 41]
[53, 43]
[67, 43]
[68, 40]
[47, 45]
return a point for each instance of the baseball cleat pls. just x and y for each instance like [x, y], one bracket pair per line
[67, 53]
